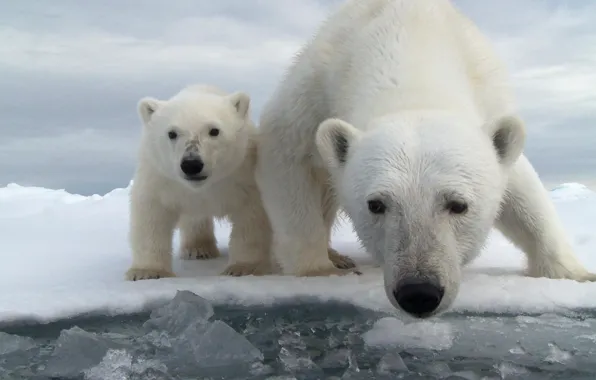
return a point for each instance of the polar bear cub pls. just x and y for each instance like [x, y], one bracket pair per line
[400, 112]
[196, 163]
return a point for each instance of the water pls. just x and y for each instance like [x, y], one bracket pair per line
[188, 339]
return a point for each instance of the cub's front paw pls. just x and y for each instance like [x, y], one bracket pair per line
[136, 274]
[204, 251]
[247, 269]
[340, 261]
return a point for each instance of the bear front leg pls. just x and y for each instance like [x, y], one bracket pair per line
[250, 242]
[529, 219]
[151, 229]
[198, 240]
[330, 209]
[293, 199]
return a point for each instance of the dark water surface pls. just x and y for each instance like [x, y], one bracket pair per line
[188, 339]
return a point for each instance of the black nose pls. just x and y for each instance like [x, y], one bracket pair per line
[191, 166]
[418, 297]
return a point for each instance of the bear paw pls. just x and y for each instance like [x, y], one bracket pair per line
[202, 252]
[559, 271]
[136, 274]
[340, 261]
[246, 269]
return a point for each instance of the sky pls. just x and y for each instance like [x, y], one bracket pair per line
[72, 72]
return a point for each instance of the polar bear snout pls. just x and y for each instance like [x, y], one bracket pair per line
[192, 166]
[417, 297]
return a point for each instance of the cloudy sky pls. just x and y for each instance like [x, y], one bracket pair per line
[71, 73]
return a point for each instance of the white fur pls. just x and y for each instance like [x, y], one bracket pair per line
[162, 199]
[415, 94]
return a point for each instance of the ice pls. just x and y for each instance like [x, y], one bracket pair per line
[120, 365]
[213, 345]
[391, 331]
[76, 264]
[336, 359]
[13, 343]
[76, 351]
[508, 370]
[439, 369]
[557, 355]
[353, 372]
[463, 375]
[391, 362]
[182, 311]
[294, 362]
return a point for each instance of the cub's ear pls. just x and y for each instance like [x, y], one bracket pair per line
[333, 139]
[147, 107]
[240, 101]
[508, 134]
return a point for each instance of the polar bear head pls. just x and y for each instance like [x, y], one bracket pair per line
[199, 136]
[423, 193]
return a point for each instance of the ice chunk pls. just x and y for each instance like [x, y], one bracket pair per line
[336, 359]
[185, 309]
[507, 370]
[120, 365]
[557, 355]
[260, 369]
[77, 350]
[354, 372]
[390, 331]
[463, 375]
[14, 343]
[294, 362]
[518, 349]
[159, 339]
[438, 369]
[391, 362]
[212, 345]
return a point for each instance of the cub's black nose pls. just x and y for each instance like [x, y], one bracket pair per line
[418, 297]
[192, 166]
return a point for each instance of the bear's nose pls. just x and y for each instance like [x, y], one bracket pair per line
[418, 297]
[191, 166]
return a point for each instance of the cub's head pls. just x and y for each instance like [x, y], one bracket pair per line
[199, 136]
[423, 194]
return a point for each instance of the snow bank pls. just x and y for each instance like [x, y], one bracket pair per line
[65, 255]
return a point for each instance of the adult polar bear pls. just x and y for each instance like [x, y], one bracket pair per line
[400, 112]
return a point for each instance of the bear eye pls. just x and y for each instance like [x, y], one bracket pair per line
[456, 207]
[214, 132]
[172, 135]
[376, 206]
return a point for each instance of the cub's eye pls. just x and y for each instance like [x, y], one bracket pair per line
[172, 135]
[455, 207]
[213, 132]
[376, 207]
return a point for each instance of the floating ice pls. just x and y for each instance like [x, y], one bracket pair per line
[391, 362]
[120, 365]
[336, 359]
[14, 343]
[212, 345]
[185, 309]
[77, 350]
[557, 355]
[391, 331]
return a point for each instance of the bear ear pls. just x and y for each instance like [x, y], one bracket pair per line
[147, 107]
[508, 134]
[240, 101]
[333, 139]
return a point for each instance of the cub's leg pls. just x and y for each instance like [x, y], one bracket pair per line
[197, 238]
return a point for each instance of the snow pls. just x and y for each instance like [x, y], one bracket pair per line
[65, 255]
